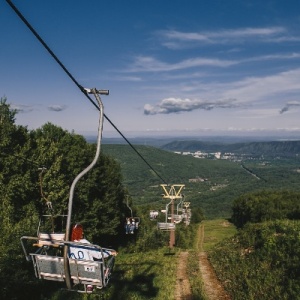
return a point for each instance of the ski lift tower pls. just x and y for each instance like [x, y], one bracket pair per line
[172, 192]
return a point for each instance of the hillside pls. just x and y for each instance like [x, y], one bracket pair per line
[271, 148]
[210, 184]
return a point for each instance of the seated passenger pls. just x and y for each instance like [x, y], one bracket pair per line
[132, 226]
[83, 251]
[127, 225]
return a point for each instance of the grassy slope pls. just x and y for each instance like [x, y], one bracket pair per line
[152, 275]
[261, 261]
[144, 275]
[216, 231]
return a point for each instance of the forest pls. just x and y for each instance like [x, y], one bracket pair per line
[210, 184]
[257, 260]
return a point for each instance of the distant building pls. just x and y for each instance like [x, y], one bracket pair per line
[186, 153]
[197, 179]
[218, 155]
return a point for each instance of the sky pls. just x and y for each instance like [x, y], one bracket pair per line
[172, 67]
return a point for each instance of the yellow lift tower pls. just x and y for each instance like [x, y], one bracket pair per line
[172, 192]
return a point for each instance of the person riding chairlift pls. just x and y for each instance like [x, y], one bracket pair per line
[84, 252]
[131, 225]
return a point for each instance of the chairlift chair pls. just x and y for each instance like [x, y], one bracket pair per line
[131, 223]
[153, 214]
[52, 261]
[179, 211]
[166, 226]
[48, 261]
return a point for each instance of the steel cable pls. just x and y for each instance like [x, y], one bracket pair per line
[77, 84]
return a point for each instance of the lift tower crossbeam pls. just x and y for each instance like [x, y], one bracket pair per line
[173, 193]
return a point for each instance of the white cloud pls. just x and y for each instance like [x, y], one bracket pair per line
[178, 39]
[177, 105]
[150, 64]
[273, 57]
[262, 96]
[57, 107]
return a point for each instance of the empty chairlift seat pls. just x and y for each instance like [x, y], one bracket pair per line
[50, 239]
[166, 226]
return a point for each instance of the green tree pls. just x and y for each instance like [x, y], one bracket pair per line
[18, 213]
[99, 195]
[265, 205]
[98, 200]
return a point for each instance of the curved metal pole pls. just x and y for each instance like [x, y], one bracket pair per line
[180, 203]
[167, 210]
[81, 174]
[129, 208]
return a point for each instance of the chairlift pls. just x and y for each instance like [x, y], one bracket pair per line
[48, 261]
[153, 214]
[51, 252]
[167, 225]
[132, 223]
[178, 216]
[187, 212]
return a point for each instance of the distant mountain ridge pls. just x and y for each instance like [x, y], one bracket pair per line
[225, 144]
[254, 148]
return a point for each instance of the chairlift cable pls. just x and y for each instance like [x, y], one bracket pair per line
[48, 203]
[76, 83]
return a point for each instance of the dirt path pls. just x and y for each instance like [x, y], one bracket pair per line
[183, 288]
[212, 286]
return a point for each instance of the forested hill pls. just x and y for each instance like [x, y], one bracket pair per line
[211, 184]
[254, 148]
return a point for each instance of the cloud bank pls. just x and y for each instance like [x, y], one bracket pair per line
[177, 105]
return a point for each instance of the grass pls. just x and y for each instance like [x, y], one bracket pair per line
[145, 275]
[193, 270]
[152, 274]
[215, 231]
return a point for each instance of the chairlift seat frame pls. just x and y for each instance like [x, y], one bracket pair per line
[50, 267]
[50, 239]
[165, 226]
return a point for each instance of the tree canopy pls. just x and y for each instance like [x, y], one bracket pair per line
[264, 206]
[98, 199]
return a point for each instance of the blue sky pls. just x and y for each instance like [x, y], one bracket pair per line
[172, 67]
